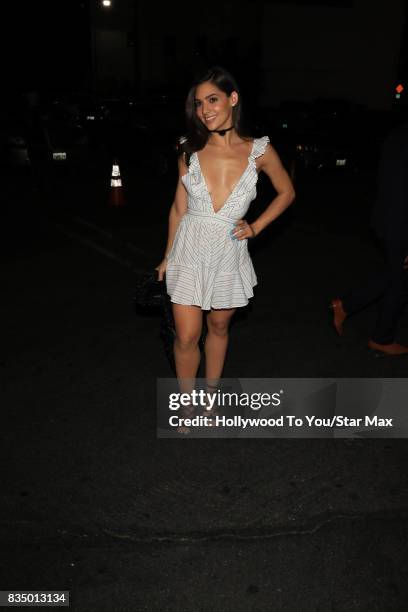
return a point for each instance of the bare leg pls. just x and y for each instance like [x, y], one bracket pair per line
[216, 343]
[188, 322]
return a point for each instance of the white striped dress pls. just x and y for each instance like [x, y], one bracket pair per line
[206, 267]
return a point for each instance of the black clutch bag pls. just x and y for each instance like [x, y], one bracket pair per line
[148, 291]
[150, 296]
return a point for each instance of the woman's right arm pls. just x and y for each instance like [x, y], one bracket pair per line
[177, 210]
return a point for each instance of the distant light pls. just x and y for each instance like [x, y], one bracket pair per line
[399, 88]
[284, 125]
[106, 2]
[398, 96]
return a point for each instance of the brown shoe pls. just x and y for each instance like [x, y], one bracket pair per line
[339, 315]
[388, 349]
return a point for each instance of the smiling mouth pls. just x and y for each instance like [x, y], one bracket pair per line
[207, 119]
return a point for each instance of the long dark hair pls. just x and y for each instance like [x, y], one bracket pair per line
[197, 134]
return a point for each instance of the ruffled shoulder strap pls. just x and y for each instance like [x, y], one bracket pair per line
[260, 146]
[194, 166]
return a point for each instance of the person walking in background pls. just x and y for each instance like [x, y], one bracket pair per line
[390, 225]
[207, 263]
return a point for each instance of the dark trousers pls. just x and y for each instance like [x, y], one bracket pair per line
[386, 287]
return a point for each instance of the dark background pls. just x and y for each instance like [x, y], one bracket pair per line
[92, 501]
[56, 44]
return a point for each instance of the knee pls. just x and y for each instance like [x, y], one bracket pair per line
[218, 328]
[186, 341]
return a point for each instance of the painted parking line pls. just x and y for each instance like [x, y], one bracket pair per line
[109, 235]
[96, 247]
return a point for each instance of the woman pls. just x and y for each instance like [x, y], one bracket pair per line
[206, 261]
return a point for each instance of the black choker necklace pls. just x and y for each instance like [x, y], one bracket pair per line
[222, 132]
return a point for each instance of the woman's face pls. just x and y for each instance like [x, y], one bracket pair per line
[213, 106]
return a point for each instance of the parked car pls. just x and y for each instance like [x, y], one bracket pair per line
[330, 135]
[44, 141]
[322, 152]
[66, 138]
[13, 142]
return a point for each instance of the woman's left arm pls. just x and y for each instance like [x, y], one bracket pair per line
[272, 166]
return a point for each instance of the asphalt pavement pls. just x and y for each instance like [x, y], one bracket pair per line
[94, 503]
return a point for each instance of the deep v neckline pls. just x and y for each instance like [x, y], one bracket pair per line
[236, 184]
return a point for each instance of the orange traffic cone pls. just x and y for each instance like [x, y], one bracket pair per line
[116, 196]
